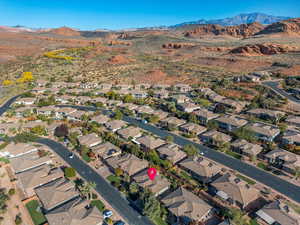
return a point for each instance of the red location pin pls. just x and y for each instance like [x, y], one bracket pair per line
[152, 173]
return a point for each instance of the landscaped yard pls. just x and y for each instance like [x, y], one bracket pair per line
[113, 178]
[98, 204]
[34, 211]
[249, 181]
[159, 221]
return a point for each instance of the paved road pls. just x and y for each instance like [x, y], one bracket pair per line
[110, 194]
[280, 185]
[274, 85]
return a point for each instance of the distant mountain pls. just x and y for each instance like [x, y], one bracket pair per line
[244, 18]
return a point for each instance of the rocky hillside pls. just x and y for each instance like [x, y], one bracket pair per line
[243, 30]
[289, 27]
[65, 31]
[261, 49]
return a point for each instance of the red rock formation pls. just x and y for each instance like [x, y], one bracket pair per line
[262, 49]
[289, 27]
[243, 30]
[65, 31]
[119, 59]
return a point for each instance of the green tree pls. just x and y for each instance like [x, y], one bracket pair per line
[133, 188]
[190, 150]
[297, 172]
[69, 172]
[118, 115]
[169, 139]
[86, 189]
[128, 98]
[152, 207]
[192, 118]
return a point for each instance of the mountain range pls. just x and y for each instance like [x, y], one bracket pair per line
[245, 18]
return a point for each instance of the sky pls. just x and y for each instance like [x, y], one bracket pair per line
[121, 14]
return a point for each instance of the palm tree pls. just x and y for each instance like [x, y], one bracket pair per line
[297, 172]
[86, 189]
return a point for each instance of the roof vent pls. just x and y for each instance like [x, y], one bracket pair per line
[286, 209]
[237, 180]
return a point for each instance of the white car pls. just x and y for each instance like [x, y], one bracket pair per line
[71, 156]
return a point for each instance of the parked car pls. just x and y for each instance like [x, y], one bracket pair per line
[119, 223]
[71, 156]
[107, 214]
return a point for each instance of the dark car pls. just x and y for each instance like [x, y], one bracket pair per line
[119, 223]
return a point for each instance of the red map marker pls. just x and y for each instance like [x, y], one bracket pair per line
[152, 173]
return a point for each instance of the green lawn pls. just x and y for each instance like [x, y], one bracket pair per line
[159, 221]
[5, 160]
[234, 154]
[249, 181]
[86, 158]
[98, 204]
[113, 178]
[37, 217]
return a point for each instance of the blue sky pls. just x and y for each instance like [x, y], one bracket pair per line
[116, 14]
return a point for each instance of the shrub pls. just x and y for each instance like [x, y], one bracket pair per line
[70, 172]
[12, 191]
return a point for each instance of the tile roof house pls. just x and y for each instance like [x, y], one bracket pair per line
[180, 99]
[234, 190]
[187, 207]
[283, 159]
[277, 212]
[38, 176]
[157, 186]
[16, 150]
[263, 131]
[139, 94]
[56, 193]
[214, 137]
[28, 161]
[46, 110]
[161, 94]
[25, 101]
[192, 128]
[75, 212]
[172, 122]
[77, 115]
[34, 123]
[230, 122]
[129, 163]
[182, 87]
[149, 142]
[291, 136]
[89, 140]
[161, 114]
[5, 128]
[188, 107]
[203, 115]
[64, 112]
[201, 169]
[129, 106]
[246, 148]
[145, 109]
[266, 113]
[293, 120]
[115, 125]
[106, 150]
[100, 119]
[130, 132]
[171, 152]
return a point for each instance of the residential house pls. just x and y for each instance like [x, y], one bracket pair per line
[129, 106]
[171, 122]
[7, 128]
[13, 150]
[115, 125]
[77, 115]
[204, 116]
[28, 161]
[161, 114]
[291, 137]
[252, 78]
[100, 119]
[162, 94]
[89, 140]
[64, 99]
[142, 86]
[179, 99]
[149, 142]
[129, 163]
[105, 86]
[284, 160]
[98, 100]
[157, 186]
[192, 128]
[184, 88]
[230, 123]
[38, 176]
[144, 109]
[130, 132]
[234, 191]
[237, 106]
[25, 101]
[160, 86]
[171, 152]
[75, 212]
[266, 114]
[263, 131]
[46, 110]
[245, 148]
[188, 107]
[63, 112]
[106, 150]
[139, 94]
[277, 212]
[56, 193]
[201, 169]
[35, 123]
[113, 103]
[186, 207]
[23, 111]
[293, 120]
[82, 100]
[214, 137]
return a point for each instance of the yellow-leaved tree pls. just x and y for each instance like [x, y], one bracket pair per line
[7, 82]
[26, 77]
